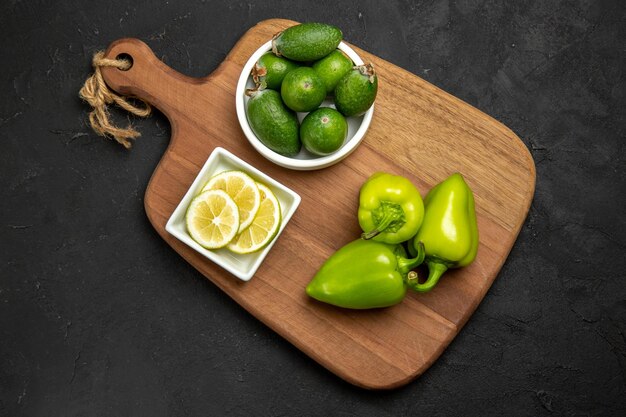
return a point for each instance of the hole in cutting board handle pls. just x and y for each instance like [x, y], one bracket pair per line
[126, 57]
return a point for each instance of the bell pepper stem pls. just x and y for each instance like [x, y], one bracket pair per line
[435, 271]
[406, 265]
[387, 219]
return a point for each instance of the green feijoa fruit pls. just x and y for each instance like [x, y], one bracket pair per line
[356, 91]
[269, 70]
[332, 68]
[323, 131]
[302, 89]
[306, 41]
[273, 123]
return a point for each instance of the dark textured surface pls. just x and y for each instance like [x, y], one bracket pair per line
[98, 316]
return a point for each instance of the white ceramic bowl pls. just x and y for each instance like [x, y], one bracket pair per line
[357, 126]
[242, 266]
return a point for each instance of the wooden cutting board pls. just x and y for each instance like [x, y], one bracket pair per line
[418, 131]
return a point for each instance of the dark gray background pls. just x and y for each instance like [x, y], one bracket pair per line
[99, 317]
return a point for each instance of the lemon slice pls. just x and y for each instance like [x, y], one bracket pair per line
[264, 227]
[212, 219]
[242, 189]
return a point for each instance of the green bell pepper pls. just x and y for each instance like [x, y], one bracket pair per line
[449, 231]
[390, 208]
[365, 274]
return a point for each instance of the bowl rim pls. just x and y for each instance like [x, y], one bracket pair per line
[284, 161]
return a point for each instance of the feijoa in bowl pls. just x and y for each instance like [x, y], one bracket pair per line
[304, 160]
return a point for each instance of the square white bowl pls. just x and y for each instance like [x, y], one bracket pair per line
[242, 266]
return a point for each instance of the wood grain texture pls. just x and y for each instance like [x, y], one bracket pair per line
[418, 131]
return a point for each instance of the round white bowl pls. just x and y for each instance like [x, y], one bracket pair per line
[304, 161]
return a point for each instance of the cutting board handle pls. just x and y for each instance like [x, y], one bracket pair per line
[148, 78]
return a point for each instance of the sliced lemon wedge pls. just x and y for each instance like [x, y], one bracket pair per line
[242, 189]
[263, 228]
[212, 219]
